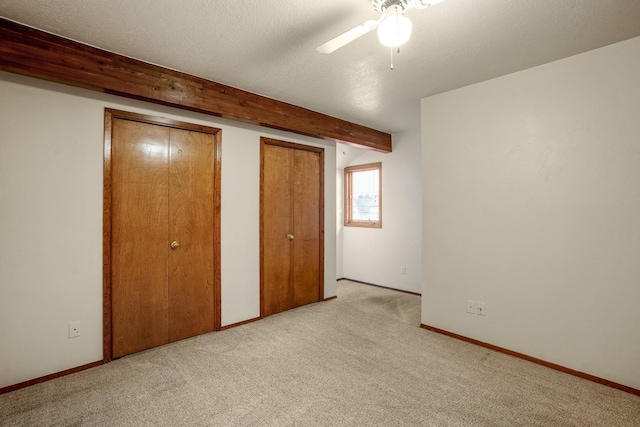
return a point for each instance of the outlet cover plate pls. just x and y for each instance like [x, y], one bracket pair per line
[482, 309]
[74, 329]
[471, 306]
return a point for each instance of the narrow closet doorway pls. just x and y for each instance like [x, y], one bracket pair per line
[291, 225]
[161, 228]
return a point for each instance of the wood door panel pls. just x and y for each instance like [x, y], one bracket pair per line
[277, 211]
[191, 186]
[291, 202]
[306, 212]
[139, 238]
[161, 183]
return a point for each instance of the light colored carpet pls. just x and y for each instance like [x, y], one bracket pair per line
[359, 360]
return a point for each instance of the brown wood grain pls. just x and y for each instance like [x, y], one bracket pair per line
[55, 375]
[214, 164]
[291, 202]
[277, 222]
[217, 261]
[321, 229]
[380, 286]
[107, 344]
[306, 226]
[35, 53]
[139, 236]
[191, 265]
[348, 196]
[235, 325]
[535, 360]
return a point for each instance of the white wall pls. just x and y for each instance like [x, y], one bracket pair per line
[531, 192]
[51, 160]
[375, 255]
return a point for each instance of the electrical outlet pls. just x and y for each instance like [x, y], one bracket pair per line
[482, 310]
[403, 270]
[74, 329]
[471, 306]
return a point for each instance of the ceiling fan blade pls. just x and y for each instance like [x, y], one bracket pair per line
[347, 37]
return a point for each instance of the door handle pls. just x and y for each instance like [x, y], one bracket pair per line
[174, 245]
[290, 236]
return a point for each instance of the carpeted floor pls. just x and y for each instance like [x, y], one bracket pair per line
[359, 360]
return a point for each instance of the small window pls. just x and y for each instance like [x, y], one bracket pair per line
[363, 195]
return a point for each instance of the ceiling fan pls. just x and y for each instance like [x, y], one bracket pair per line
[394, 29]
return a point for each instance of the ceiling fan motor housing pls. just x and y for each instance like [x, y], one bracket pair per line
[381, 5]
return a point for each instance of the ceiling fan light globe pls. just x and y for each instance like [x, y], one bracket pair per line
[395, 30]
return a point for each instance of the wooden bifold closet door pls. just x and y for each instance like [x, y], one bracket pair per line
[163, 244]
[291, 225]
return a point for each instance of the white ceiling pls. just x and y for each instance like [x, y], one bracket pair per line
[268, 46]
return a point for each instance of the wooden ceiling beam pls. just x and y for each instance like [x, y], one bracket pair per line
[31, 52]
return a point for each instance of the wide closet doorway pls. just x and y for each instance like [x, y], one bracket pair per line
[291, 225]
[161, 231]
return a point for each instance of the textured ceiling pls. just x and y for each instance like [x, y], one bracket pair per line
[268, 46]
